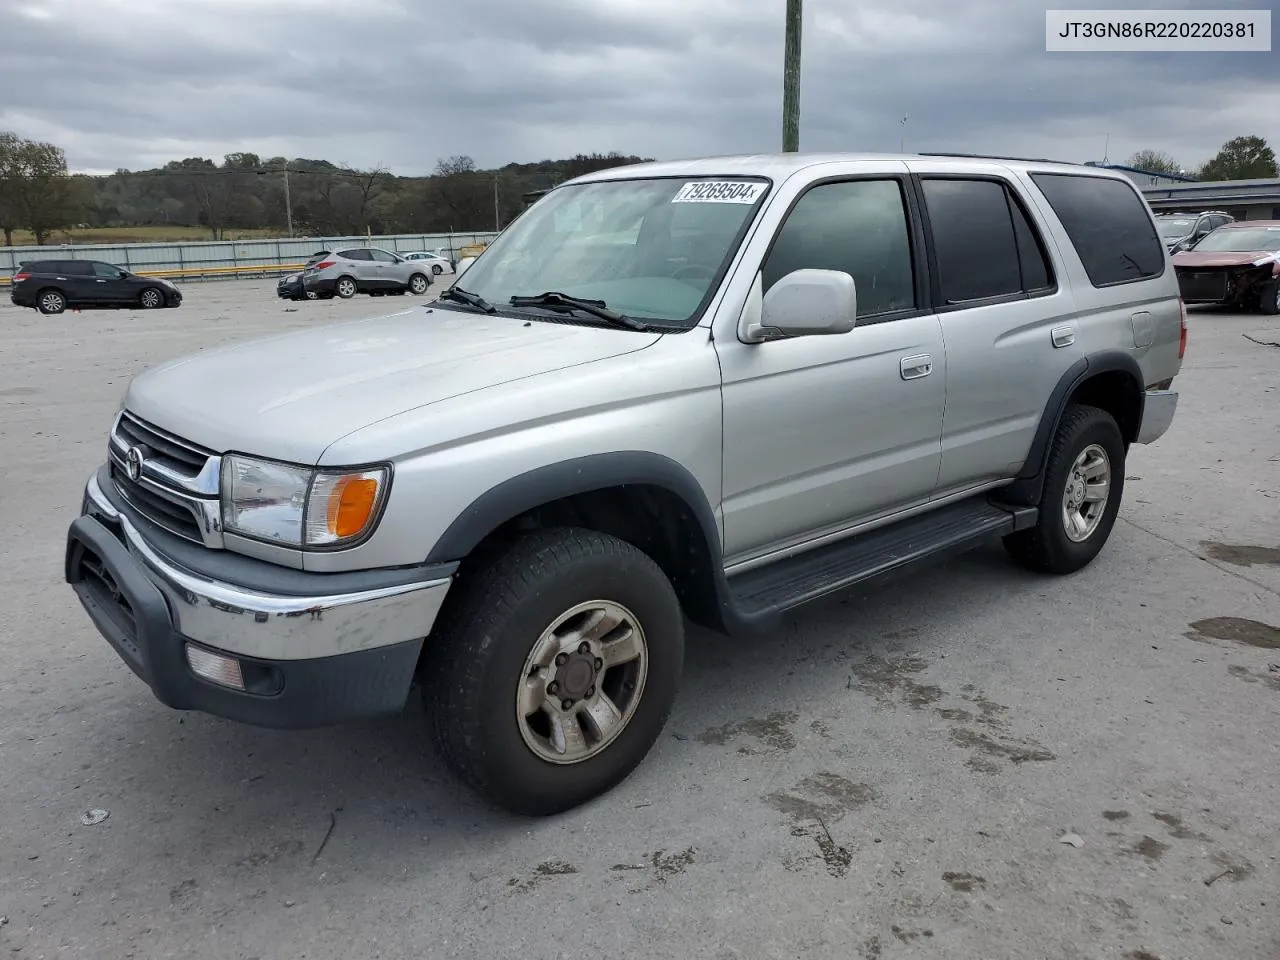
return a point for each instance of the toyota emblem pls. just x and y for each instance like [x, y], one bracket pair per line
[133, 463]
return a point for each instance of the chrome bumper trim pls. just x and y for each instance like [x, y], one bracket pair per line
[231, 618]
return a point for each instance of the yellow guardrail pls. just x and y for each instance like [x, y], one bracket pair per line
[199, 273]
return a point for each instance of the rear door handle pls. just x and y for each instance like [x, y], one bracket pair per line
[1063, 336]
[913, 368]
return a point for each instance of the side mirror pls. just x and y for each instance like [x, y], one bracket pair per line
[808, 303]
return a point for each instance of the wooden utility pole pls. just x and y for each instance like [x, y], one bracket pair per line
[791, 79]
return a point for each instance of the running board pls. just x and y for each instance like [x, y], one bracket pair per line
[880, 554]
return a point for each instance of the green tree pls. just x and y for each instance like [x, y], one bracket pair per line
[40, 193]
[9, 215]
[1155, 161]
[1242, 158]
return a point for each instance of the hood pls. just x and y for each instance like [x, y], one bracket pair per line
[290, 396]
[1193, 258]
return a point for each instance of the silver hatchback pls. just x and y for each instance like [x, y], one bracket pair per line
[372, 270]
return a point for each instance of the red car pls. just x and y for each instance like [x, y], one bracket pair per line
[1237, 265]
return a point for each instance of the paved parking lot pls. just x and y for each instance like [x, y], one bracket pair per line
[891, 776]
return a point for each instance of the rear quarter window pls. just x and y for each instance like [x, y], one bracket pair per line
[1108, 224]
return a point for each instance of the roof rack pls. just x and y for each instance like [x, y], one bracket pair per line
[988, 156]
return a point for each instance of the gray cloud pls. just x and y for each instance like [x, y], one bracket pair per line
[134, 83]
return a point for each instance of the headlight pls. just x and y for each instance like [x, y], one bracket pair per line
[299, 506]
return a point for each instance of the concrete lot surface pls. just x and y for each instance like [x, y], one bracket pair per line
[892, 776]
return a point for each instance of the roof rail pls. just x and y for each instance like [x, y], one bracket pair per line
[988, 156]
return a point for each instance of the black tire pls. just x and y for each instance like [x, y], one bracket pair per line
[346, 288]
[1269, 298]
[418, 284]
[1046, 547]
[151, 298]
[490, 625]
[437, 269]
[50, 301]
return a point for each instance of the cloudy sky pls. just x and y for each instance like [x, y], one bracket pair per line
[402, 83]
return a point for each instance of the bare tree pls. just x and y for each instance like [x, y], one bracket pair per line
[1155, 161]
[208, 187]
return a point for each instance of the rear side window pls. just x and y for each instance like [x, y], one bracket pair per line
[355, 255]
[1108, 224]
[973, 239]
[1034, 262]
[985, 244]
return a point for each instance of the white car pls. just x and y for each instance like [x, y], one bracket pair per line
[437, 263]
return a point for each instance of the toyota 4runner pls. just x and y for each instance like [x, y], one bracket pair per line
[710, 390]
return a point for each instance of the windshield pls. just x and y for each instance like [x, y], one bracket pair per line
[1241, 240]
[648, 249]
[1173, 229]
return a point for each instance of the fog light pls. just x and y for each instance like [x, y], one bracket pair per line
[215, 668]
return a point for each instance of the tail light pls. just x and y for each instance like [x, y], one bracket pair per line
[21, 276]
[324, 263]
[1182, 336]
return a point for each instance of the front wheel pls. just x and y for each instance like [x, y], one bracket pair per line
[1084, 481]
[437, 269]
[418, 284]
[551, 674]
[151, 299]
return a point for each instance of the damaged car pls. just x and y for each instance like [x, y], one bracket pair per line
[1237, 265]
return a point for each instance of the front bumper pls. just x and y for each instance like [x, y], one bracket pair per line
[308, 657]
[1157, 414]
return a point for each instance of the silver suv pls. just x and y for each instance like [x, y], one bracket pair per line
[715, 389]
[353, 270]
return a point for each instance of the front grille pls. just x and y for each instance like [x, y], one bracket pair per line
[165, 448]
[1208, 285]
[160, 510]
[178, 485]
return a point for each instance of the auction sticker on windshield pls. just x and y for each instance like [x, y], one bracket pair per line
[719, 191]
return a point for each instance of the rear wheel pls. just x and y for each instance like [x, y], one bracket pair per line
[1084, 481]
[345, 288]
[150, 299]
[418, 284]
[51, 301]
[1270, 298]
[551, 674]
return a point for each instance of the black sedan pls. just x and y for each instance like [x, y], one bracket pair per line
[290, 288]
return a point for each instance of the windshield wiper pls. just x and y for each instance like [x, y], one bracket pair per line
[597, 308]
[466, 297]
